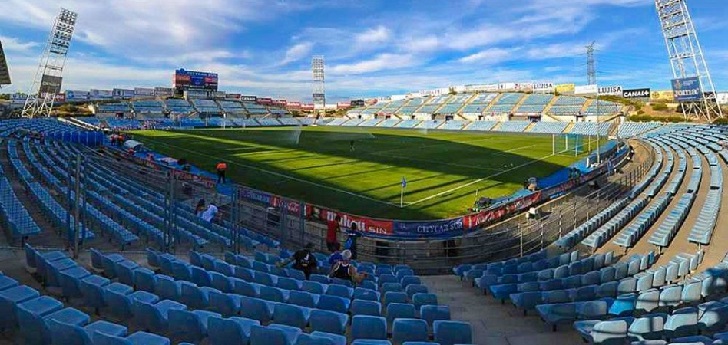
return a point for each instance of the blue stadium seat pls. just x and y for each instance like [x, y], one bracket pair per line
[362, 307]
[328, 321]
[155, 317]
[230, 331]
[409, 330]
[291, 315]
[274, 335]
[368, 327]
[452, 332]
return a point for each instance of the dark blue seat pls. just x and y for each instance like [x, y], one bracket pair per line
[230, 331]
[328, 321]
[409, 330]
[368, 327]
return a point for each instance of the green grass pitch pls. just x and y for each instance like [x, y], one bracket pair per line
[317, 164]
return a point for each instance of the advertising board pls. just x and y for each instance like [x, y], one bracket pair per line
[585, 90]
[265, 100]
[50, 84]
[636, 93]
[143, 92]
[195, 94]
[662, 95]
[343, 105]
[186, 80]
[248, 98]
[163, 91]
[610, 91]
[232, 96]
[77, 95]
[543, 86]
[101, 94]
[565, 89]
[687, 89]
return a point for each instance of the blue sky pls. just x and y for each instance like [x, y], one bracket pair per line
[371, 47]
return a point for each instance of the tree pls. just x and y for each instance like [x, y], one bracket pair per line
[452, 91]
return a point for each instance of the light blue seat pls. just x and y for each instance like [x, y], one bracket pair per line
[70, 281]
[125, 271]
[626, 286]
[713, 319]
[289, 284]
[291, 315]
[452, 332]
[115, 298]
[555, 314]
[411, 279]
[255, 309]
[682, 323]
[189, 326]
[409, 330]
[230, 331]
[313, 287]
[526, 300]
[691, 293]
[30, 315]
[224, 303]
[145, 279]
[273, 294]
[167, 288]
[181, 270]
[243, 273]
[245, 288]
[556, 296]
[333, 303]
[274, 335]
[109, 262]
[503, 291]
[648, 301]
[608, 289]
[200, 276]
[366, 294]
[647, 327]
[368, 327]
[68, 334]
[420, 299]
[671, 296]
[92, 288]
[432, 313]
[394, 297]
[591, 310]
[221, 282]
[155, 317]
[584, 293]
[303, 299]
[138, 338]
[264, 278]
[624, 305]
[602, 332]
[328, 321]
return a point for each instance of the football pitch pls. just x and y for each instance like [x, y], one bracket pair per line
[360, 170]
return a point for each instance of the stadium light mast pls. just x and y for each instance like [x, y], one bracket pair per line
[319, 90]
[4, 73]
[47, 82]
[687, 60]
[591, 77]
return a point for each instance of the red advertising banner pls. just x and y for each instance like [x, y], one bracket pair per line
[264, 101]
[363, 224]
[474, 220]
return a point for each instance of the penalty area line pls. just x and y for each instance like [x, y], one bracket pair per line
[445, 192]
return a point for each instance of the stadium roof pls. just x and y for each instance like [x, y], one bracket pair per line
[4, 73]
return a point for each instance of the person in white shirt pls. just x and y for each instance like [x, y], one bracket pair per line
[210, 213]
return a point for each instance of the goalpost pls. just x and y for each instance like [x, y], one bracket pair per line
[569, 143]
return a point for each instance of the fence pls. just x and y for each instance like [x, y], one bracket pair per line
[240, 221]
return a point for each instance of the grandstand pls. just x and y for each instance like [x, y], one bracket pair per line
[255, 109]
[233, 108]
[567, 106]
[534, 104]
[478, 105]
[148, 106]
[179, 106]
[515, 126]
[600, 107]
[113, 108]
[591, 128]
[207, 106]
[453, 104]
[548, 127]
[505, 103]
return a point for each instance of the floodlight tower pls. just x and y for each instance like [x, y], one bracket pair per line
[48, 79]
[686, 57]
[591, 69]
[319, 91]
[4, 73]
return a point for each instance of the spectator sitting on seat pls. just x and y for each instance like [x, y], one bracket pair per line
[303, 260]
[210, 213]
[345, 270]
[200, 208]
[336, 255]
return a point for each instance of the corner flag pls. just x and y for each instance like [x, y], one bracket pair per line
[401, 192]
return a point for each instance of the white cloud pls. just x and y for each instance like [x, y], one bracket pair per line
[12, 44]
[557, 50]
[379, 63]
[297, 52]
[379, 34]
[489, 56]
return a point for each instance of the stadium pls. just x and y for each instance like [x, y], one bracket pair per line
[201, 212]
